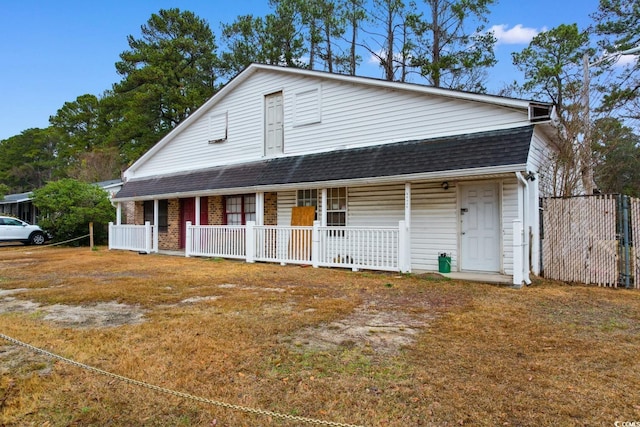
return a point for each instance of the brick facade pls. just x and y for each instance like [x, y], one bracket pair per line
[216, 210]
[170, 239]
[270, 208]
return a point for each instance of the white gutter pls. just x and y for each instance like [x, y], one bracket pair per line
[524, 253]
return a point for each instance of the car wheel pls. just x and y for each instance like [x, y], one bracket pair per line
[36, 238]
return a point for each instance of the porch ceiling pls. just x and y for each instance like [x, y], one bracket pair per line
[462, 152]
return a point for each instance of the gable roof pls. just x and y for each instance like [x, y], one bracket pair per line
[501, 148]
[366, 81]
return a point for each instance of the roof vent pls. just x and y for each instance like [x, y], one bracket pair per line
[540, 112]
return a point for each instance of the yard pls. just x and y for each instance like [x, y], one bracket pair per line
[350, 347]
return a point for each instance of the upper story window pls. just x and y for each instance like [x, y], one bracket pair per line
[239, 209]
[274, 124]
[163, 214]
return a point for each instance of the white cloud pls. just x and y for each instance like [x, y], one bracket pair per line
[515, 35]
[625, 60]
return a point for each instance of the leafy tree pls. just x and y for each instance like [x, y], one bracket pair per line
[4, 190]
[167, 73]
[354, 14]
[29, 159]
[272, 40]
[388, 40]
[446, 51]
[552, 69]
[67, 206]
[83, 127]
[617, 151]
[618, 23]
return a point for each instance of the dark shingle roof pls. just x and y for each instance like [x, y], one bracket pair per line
[477, 150]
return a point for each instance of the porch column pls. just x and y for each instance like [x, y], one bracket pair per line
[197, 210]
[156, 226]
[405, 232]
[323, 220]
[118, 213]
[407, 204]
[259, 208]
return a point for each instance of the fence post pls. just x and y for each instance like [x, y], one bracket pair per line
[250, 241]
[147, 237]
[110, 235]
[315, 244]
[517, 253]
[187, 239]
[404, 252]
[625, 248]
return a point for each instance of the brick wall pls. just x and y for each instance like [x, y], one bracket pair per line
[171, 239]
[270, 208]
[216, 210]
[138, 213]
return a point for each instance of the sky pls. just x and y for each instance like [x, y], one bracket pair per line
[51, 52]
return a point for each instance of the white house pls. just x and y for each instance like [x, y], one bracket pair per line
[422, 170]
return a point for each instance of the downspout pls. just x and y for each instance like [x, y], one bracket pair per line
[525, 226]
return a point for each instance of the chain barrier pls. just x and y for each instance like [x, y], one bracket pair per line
[31, 248]
[177, 393]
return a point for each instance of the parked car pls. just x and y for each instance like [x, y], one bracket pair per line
[15, 230]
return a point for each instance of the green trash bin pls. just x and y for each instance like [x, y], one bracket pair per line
[444, 263]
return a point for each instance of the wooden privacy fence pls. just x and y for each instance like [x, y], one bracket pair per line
[588, 239]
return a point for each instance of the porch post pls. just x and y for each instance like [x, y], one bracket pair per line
[110, 236]
[259, 208]
[404, 251]
[405, 232]
[250, 244]
[118, 213]
[197, 210]
[315, 244]
[518, 277]
[147, 237]
[156, 228]
[187, 239]
[323, 219]
[407, 204]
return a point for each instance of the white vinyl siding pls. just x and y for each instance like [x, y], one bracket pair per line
[381, 206]
[434, 225]
[286, 201]
[352, 115]
[510, 205]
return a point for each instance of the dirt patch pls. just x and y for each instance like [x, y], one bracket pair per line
[383, 331]
[99, 315]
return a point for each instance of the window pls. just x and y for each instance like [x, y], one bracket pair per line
[337, 206]
[307, 198]
[163, 214]
[239, 209]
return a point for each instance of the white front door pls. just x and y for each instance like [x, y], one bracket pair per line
[480, 227]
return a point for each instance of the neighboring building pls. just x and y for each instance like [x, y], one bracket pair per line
[458, 168]
[20, 205]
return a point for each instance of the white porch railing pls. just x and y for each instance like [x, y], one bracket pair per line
[373, 248]
[376, 248]
[286, 245]
[360, 247]
[224, 241]
[131, 237]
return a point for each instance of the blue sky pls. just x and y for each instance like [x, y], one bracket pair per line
[52, 52]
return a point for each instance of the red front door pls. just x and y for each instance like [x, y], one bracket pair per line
[188, 213]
